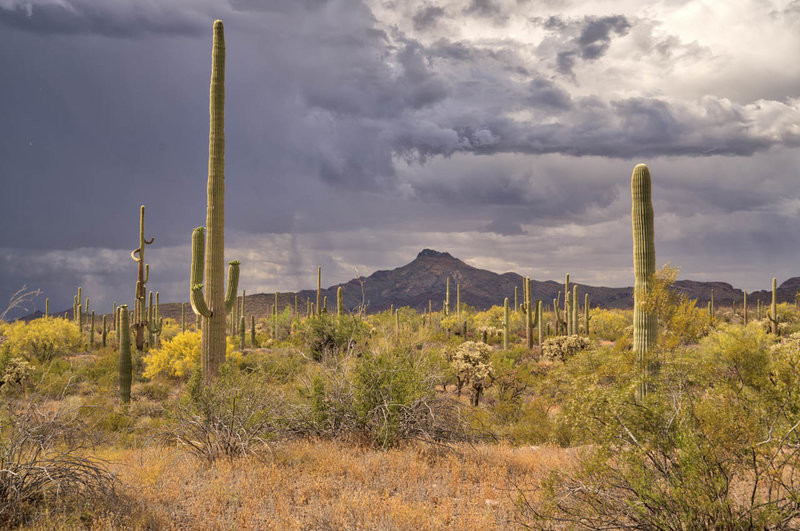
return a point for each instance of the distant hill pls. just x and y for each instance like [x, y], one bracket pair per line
[424, 279]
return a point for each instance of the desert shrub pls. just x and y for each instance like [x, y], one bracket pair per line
[470, 360]
[713, 446]
[514, 372]
[383, 398]
[43, 339]
[265, 327]
[609, 324]
[233, 417]
[42, 465]
[327, 334]
[177, 357]
[685, 325]
[561, 348]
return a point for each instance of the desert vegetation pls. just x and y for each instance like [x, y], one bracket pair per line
[528, 414]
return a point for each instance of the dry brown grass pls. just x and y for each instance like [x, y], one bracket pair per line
[304, 485]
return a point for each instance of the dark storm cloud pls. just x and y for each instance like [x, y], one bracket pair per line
[587, 38]
[427, 17]
[338, 122]
[113, 18]
[484, 8]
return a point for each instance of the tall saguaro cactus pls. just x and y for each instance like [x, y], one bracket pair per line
[142, 275]
[505, 324]
[319, 290]
[125, 363]
[209, 250]
[645, 326]
[772, 313]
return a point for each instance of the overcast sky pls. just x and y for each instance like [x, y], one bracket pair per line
[362, 131]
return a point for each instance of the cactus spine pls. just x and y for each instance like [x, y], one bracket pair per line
[215, 304]
[645, 326]
[125, 364]
[505, 324]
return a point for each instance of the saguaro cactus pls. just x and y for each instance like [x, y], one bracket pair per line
[214, 305]
[540, 318]
[744, 309]
[458, 301]
[142, 276]
[339, 301]
[772, 313]
[505, 324]
[645, 326]
[125, 364]
[575, 309]
[319, 290]
[447, 299]
[586, 317]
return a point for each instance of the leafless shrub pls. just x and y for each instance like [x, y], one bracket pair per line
[42, 464]
[19, 300]
[233, 418]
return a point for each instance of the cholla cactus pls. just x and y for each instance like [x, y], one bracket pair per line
[471, 363]
[562, 347]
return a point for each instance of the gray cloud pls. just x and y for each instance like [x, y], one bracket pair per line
[427, 17]
[587, 38]
[354, 142]
[113, 18]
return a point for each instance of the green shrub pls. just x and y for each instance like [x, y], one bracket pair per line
[327, 334]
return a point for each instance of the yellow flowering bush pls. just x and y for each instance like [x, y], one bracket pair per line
[178, 356]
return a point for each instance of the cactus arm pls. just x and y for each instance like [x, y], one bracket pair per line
[233, 285]
[196, 296]
[134, 254]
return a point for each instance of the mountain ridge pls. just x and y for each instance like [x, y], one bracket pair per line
[424, 279]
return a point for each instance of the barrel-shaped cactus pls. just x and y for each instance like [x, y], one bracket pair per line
[645, 325]
[208, 245]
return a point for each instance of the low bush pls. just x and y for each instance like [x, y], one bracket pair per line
[177, 357]
[43, 468]
[43, 339]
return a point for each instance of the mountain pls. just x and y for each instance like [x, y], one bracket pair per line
[424, 279]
